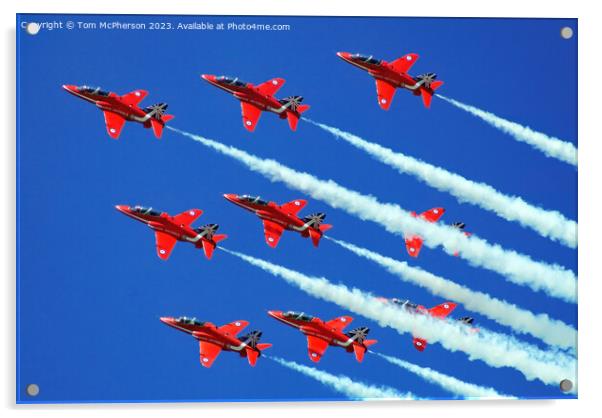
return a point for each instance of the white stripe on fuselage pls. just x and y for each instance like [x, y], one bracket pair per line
[278, 110]
[342, 344]
[231, 347]
[130, 117]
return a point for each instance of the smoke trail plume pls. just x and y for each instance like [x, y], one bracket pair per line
[553, 279]
[551, 331]
[448, 383]
[496, 350]
[346, 386]
[547, 223]
[550, 146]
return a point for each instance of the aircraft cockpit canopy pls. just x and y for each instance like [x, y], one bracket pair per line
[299, 316]
[405, 303]
[145, 211]
[93, 90]
[184, 320]
[253, 199]
[233, 81]
[369, 59]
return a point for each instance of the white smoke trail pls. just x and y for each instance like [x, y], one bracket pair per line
[497, 350]
[548, 223]
[346, 386]
[449, 383]
[550, 331]
[553, 279]
[550, 146]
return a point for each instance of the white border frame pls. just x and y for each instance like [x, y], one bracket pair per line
[590, 172]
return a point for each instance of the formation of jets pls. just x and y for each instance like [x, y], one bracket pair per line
[276, 218]
[255, 99]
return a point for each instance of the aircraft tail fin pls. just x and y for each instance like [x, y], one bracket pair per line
[325, 227]
[360, 349]
[253, 355]
[315, 236]
[293, 117]
[427, 94]
[209, 246]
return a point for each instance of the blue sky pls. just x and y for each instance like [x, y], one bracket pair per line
[91, 288]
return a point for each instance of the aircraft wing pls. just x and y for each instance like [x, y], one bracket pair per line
[294, 207]
[273, 232]
[316, 347]
[114, 123]
[385, 92]
[413, 245]
[338, 324]
[432, 215]
[208, 353]
[134, 97]
[419, 343]
[271, 87]
[442, 310]
[233, 328]
[404, 63]
[164, 243]
[188, 217]
[250, 115]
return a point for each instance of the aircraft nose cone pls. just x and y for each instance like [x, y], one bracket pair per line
[165, 319]
[344, 55]
[70, 87]
[229, 196]
[122, 208]
[208, 77]
[273, 313]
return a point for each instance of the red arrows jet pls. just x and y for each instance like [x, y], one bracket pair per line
[322, 334]
[392, 75]
[212, 339]
[414, 242]
[278, 218]
[255, 99]
[119, 109]
[440, 311]
[171, 229]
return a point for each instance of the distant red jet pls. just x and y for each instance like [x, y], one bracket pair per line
[392, 75]
[278, 218]
[255, 99]
[118, 109]
[440, 311]
[171, 229]
[213, 340]
[414, 242]
[322, 334]
[460, 226]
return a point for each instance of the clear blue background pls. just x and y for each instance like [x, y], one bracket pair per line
[91, 288]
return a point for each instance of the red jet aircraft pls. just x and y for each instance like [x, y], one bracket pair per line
[440, 311]
[414, 242]
[322, 334]
[255, 99]
[171, 229]
[212, 339]
[278, 218]
[392, 75]
[119, 109]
